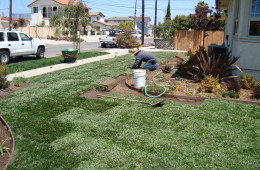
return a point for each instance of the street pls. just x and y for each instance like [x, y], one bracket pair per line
[55, 48]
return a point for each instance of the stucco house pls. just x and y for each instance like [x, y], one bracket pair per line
[97, 19]
[242, 33]
[42, 10]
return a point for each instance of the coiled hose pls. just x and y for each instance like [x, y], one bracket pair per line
[162, 86]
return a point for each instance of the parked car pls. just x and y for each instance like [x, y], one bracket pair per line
[136, 35]
[110, 39]
[13, 44]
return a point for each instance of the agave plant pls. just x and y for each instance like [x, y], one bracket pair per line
[218, 65]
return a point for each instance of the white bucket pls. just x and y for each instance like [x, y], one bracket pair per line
[139, 77]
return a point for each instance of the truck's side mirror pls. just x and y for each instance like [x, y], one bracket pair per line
[31, 38]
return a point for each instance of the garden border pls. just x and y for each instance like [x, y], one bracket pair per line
[190, 98]
[12, 138]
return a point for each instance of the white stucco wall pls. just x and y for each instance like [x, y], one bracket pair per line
[241, 44]
[37, 18]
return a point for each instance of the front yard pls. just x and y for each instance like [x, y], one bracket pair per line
[54, 128]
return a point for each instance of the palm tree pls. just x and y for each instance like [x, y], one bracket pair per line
[22, 23]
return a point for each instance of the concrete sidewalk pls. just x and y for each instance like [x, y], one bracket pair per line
[48, 69]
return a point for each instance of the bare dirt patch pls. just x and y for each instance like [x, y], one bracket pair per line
[6, 143]
[184, 90]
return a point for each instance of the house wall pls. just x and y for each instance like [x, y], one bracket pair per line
[37, 18]
[95, 18]
[241, 44]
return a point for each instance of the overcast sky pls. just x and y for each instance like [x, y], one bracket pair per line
[120, 8]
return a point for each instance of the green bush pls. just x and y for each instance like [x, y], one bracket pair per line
[231, 94]
[247, 81]
[18, 81]
[210, 84]
[3, 72]
[126, 41]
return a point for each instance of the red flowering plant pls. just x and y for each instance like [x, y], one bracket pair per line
[126, 40]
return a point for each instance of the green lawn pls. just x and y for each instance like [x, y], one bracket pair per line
[56, 129]
[33, 64]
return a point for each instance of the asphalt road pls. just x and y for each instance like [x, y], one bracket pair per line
[55, 49]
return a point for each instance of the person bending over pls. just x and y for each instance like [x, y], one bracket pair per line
[143, 56]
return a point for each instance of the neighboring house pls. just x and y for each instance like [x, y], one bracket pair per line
[4, 23]
[242, 33]
[42, 10]
[148, 28]
[138, 23]
[97, 19]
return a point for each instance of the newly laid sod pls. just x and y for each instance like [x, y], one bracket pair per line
[33, 64]
[54, 128]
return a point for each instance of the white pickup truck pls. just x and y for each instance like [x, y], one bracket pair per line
[13, 44]
[110, 39]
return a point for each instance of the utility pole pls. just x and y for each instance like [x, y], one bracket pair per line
[135, 15]
[10, 16]
[142, 22]
[155, 19]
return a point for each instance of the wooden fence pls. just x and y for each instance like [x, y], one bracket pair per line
[184, 39]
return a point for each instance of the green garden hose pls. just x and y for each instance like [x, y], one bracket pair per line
[163, 86]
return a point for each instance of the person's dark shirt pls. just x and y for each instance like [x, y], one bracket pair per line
[143, 56]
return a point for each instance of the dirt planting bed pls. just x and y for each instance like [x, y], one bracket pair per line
[183, 90]
[6, 143]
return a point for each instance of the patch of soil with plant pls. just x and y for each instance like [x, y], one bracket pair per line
[183, 90]
[6, 145]
[12, 88]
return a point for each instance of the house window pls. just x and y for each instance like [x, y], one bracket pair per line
[49, 12]
[55, 10]
[98, 18]
[35, 9]
[44, 12]
[255, 18]
[90, 19]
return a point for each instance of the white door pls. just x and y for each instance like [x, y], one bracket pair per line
[14, 44]
[26, 44]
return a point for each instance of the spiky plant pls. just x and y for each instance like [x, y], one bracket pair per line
[218, 65]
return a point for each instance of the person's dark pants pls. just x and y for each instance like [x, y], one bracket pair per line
[150, 66]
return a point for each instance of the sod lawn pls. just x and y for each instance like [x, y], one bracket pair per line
[54, 128]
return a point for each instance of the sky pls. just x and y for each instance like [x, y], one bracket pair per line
[121, 8]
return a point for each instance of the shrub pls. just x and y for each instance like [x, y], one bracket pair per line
[126, 41]
[210, 84]
[256, 91]
[231, 94]
[3, 72]
[233, 84]
[217, 65]
[247, 81]
[18, 81]
[166, 68]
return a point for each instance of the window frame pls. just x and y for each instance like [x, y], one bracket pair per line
[12, 37]
[252, 19]
[35, 10]
[22, 34]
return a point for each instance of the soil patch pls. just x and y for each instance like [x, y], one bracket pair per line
[184, 90]
[7, 143]
[11, 89]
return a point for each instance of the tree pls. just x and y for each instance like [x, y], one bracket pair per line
[168, 12]
[181, 22]
[84, 22]
[126, 26]
[74, 14]
[57, 22]
[22, 23]
[15, 25]
[200, 20]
